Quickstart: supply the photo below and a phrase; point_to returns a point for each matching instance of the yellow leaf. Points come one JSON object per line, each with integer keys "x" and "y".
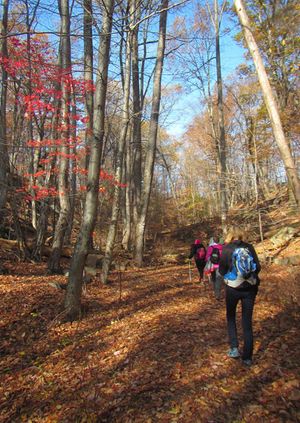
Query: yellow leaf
{"x": 175, "y": 410}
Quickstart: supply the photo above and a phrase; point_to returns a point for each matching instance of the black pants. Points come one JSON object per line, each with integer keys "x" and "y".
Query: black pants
{"x": 217, "y": 281}
{"x": 247, "y": 298}
{"x": 200, "y": 266}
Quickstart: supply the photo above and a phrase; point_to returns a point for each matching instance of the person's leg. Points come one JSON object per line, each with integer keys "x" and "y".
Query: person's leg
{"x": 201, "y": 269}
{"x": 212, "y": 279}
{"x": 247, "y": 312}
{"x": 232, "y": 298}
{"x": 218, "y": 285}
{"x": 198, "y": 264}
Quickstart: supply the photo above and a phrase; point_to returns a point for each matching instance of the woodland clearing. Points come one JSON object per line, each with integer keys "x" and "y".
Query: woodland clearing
{"x": 150, "y": 347}
{"x": 124, "y": 136}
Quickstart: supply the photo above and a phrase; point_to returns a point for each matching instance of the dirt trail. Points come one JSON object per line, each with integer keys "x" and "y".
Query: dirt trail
{"x": 150, "y": 348}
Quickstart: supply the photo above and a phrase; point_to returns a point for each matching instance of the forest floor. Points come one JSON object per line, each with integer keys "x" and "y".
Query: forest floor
{"x": 151, "y": 347}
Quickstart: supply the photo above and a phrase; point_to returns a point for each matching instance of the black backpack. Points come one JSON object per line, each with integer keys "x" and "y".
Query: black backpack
{"x": 215, "y": 256}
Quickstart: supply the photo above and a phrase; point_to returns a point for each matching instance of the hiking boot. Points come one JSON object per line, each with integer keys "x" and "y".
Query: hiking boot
{"x": 247, "y": 362}
{"x": 233, "y": 353}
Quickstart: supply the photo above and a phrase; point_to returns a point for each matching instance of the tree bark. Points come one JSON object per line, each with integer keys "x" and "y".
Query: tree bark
{"x": 119, "y": 164}
{"x": 221, "y": 124}
{"x": 152, "y": 137}
{"x": 73, "y": 177}
{"x": 128, "y": 195}
{"x": 137, "y": 115}
{"x": 270, "y": 102}
{"x": 88, "y": 72}
{"x": 4, "y": 163}
{"x": 74, "y": 289}
{"x": 44, "y": 211}
{"x": 63, "y": 151}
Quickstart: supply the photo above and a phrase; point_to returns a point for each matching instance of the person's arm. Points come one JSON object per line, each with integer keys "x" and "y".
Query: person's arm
{"x": 208, "y": 253}
{"x": 192, "y": 252}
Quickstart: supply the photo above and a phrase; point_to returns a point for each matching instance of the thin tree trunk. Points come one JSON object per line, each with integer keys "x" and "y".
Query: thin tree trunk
{"x": 88, "y": 72}
{"x": 173, "y": 190}
{"x": 35, "y": 152}
{"x": 137, "y": 115}
{"x": 74, "y": 289}
{"x": 221, "y": 124}
{"x": 119, "y": 165}
{"x": 42, "y": 222}
{"x": 270, "y": 102}
{"x": 152, "y": 137}
{"x": 4, "y": 163}
{"x": 88, "y": 64}
{"x": 127, "y": 220}
{"x": 73, "y": 178}
{"x": 215, "y": 132}
{"x": 64, "y": 201}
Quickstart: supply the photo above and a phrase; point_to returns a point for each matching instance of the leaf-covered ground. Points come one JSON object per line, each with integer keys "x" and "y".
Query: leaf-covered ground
{"x": 151, "y": 347}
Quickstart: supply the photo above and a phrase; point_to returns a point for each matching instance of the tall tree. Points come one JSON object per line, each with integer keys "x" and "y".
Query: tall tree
{"x": 73, "y": 294}
{"x": 152, "y": 136}
{"x": 270, "y": 101}
{"x": 63, "y": 186}
{"x": 88, "y": 69}
{"x": 137, "y": 112}
{"x": 221, "y": 123}
{"x": 35, "y": 152}
{"x": 119, "y": 158}
{"x": 4, "y": 163}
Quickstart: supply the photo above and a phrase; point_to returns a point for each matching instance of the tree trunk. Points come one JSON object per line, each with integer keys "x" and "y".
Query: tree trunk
{"x": 4, "y": 163}
{"x": 64, "y": 201}
{"x": 73, "y": 178}
{"x": 137, "y": 115}
{"x": 74, "y": 289}
{"x": 221, "y": 124}
{"x": 270, "y": 102}
{"x": 88, "y": 72}
{"x": 35, "y": 152}
{"x": 42, "y": 223}
{"x": 127, "y": 213}
{"x": 152, "y": 137}
{"x": 119, "y": 165}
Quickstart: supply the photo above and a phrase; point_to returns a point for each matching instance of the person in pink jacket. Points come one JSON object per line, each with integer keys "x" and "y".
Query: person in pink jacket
{"x": 213, "y": 255}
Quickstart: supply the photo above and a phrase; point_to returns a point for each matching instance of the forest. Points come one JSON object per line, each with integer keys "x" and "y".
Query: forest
{"x": 128, "y": 129}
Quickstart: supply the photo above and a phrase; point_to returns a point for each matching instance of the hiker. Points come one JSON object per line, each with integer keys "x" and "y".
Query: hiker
{"x": 212, "y": 258}
{"x": 198, "y": 251}
{"x": 239, "y": 266}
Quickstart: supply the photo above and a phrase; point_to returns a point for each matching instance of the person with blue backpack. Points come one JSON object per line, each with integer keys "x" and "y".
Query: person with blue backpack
{"x": 198, "y": 251}
{"x": 239, "y": 266}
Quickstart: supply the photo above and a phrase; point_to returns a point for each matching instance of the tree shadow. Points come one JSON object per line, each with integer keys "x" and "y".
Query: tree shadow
{"x": 162, "y": 360}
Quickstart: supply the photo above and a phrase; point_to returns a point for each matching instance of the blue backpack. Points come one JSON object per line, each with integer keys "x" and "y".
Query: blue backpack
{"x": 243, "y": 262}
{"x": 243, "y": 268}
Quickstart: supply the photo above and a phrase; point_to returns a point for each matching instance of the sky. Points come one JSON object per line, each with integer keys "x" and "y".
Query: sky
{"x": 188, "y": 104}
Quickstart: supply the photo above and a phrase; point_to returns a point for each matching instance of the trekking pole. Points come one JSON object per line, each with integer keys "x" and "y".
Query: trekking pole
{"x": 190, "y": 272}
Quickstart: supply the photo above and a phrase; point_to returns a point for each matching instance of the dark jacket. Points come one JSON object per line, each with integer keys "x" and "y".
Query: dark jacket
{"x": 226, "y": 258}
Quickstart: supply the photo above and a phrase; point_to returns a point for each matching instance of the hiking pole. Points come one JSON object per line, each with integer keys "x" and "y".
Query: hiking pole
{"x": 190, "y": 272}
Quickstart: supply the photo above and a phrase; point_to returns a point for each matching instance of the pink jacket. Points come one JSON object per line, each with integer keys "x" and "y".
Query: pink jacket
{"x": 209, "y": 251}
